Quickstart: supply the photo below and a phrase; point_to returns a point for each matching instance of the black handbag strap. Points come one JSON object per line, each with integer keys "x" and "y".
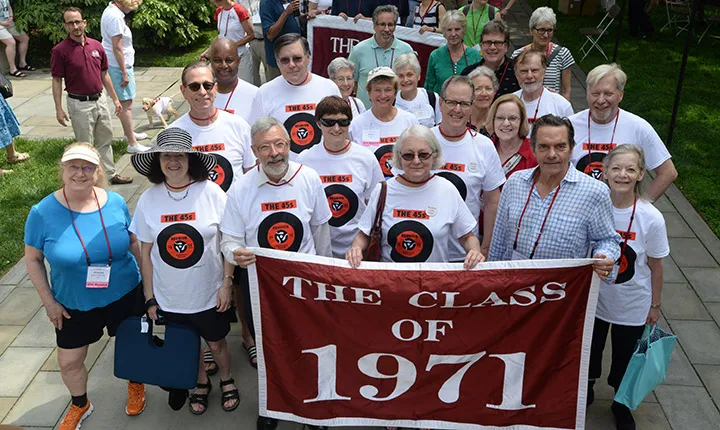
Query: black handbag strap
{"x": 377, "y": 225}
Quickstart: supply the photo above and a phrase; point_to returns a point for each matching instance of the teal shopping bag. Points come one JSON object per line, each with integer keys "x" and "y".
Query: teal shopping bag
{"x": 648, "y": 366}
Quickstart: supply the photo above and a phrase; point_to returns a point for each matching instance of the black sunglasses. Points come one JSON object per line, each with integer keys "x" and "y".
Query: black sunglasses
{"x": 325, "y": 122}
{"x": 195, "y": 86}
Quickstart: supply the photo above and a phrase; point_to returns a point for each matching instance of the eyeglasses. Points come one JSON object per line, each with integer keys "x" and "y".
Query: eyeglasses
{"x": 502, "y": 119}
{"x": 452, "y": 104}
{"x": 72, "y": 23}
{"x": 87, "y": 169}
{"x": 279, "y": 146}
{"x": 489, "y": 43}
{"x": 344, "y": 80}
{"x": 327, "y": 122}
{"x": 422, "y": 156}
{"x": 544, "y": 30}
{"x": 195, "y": 86}
{"x": 286, "y": 60}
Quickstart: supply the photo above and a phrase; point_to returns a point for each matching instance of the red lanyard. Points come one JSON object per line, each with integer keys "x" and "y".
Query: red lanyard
{"x": 537, "y": 108}
{"x": 627, "y": 233}
{"x": 282, "y": 183}
{"x": 422, "y": 17}
{"x": 476, "y": 23}
{"x": 612, "y": 137}
{"x": 77, "y": 231}
{"x": 454, "y": 64}
{"x": 231, "y": 94}
{"x": 507, "y": 64}
{"x": 542, "y": 226}
{"x": 227, "y": 20}
{"x": 392, "y": 57}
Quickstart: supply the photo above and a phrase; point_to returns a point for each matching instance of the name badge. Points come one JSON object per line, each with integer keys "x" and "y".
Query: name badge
{"x": 98, "y": 277}
{"x": 518, "y": 256}
{"x": 370, "y": 137}
{"x": 424, "y": 114}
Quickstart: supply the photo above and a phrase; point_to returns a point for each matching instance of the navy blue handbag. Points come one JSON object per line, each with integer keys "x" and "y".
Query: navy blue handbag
{"x": 172, "y": 363}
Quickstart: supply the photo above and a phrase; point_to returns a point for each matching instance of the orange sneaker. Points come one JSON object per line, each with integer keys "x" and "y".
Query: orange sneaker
{"x": 136, "y": 399}
{"x": 75, "y": 416}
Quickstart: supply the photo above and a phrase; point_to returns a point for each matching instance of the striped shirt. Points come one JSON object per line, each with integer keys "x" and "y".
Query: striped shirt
{"x": 430, "y": 18}
{"x": 581, "y": 219}
{"x": 563, "y": 60}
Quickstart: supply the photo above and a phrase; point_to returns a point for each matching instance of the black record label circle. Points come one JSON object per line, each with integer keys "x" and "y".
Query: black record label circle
{"x": 180, "y": 245}
{"x": 457, "y": 181}
{"x": 303, "y": 131}
{"x": 343, "y": 204}
{"x": 222, "y": 173}
{"x": 592, "y": 164}
{"x": 410, "y": 241}
{"x": 627, "y": 265}
{"x": 282, "y": 231}
{"x": 384, "y": 155}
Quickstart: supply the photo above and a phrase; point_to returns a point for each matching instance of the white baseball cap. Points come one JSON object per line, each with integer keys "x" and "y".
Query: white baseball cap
{"x": 81, "y": 152}
{"x": 381, "y": 71}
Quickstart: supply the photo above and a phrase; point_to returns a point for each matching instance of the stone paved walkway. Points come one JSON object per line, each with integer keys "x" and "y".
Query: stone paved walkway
{"x": 32, "y": 393}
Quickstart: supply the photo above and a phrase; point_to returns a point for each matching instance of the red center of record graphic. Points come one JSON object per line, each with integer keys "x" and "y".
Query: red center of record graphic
{"x": 217, "y": 174}
{"x": 595, "y": 169}
{"x": 302, "y": 133}
{"x": 281, "y": 236}
{"x": 385, "y": 164}
{"x": 623, "y": 264}
{"x": 339, "y": 205}
{"x": 180, "y": 246}
{"x": 409, "y": 244}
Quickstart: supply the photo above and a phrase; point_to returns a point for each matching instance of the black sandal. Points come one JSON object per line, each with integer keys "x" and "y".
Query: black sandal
{"x": 27, "y": 67}
{"x": 18, "y": 74}
{"x": 229, "y": 395}
{"x": 208, "y": 359}
{"x": 200, "y": 399}
{"x": 252, "y": 354}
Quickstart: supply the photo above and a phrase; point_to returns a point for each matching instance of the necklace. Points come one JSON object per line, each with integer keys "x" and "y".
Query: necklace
{"x": 231, "y": 95}
{"x": 187, "y": 190}
{"x": 307, "y": 76}
{"x": 339, "y": 151}
{"x": 205, "y": 119}
{"x": 425, "y": 181}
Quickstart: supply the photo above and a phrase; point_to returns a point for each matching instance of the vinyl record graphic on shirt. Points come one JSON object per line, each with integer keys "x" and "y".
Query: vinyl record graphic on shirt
{"x": 455, "y": 179}
{"x": 410, "y": 241}
{"x": 180, "y": 245}
{"x": 627, "y": 265}
{"x": 594, "y": 167}
{"x": 384, "y": 155}
{"x": 282, "y": 231}
{"x": 343, "y": 204}
{"x": 303, "y": 132}
{"x": 222, "y": 173}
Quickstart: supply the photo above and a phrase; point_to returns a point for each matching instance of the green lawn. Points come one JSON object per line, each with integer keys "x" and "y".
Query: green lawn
{"x": 29, "y": 183}
{"x": 653, "y": 67}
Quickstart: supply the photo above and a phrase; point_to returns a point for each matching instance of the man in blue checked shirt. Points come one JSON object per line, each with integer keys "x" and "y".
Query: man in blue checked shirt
{"x": 553, "y": 210}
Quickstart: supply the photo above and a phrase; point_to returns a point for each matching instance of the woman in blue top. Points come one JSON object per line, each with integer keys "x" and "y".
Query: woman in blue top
{"x": 82, "y": 231}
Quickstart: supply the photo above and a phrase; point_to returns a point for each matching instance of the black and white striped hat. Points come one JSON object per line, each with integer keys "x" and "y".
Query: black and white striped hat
{"x": 171, "y": 139}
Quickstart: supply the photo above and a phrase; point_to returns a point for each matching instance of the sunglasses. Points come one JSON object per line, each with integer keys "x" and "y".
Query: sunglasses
{"x": 326, "y": 122}
{"x": 286, "y": 60}
{"x": 410, "y": 156}
{"x": 195, "y": 86}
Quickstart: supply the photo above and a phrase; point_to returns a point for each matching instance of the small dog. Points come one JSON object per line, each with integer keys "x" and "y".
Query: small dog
{"x": 159, "y": 108}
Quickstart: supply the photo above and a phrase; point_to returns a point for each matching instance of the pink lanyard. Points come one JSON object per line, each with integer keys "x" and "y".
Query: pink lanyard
{"x": 77, "y": 231}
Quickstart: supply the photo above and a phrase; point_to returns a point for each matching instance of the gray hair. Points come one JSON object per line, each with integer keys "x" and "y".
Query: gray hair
{"x": 407, "y": 60}
{"x": 196, "y": 65}
{"x": 264, "y": 124}
{"x": 421, "y": 132}
{"x": 542, "y": 15}
{"x": 453, "y": 16}
{"x": 458, "y": 79}
{"x": 388, "y": 8}
{"x": 629, "y": 149}
{"x": 603, "y": 70}
{"x": 338, "y": 64}
{"x": 486, "y": 72}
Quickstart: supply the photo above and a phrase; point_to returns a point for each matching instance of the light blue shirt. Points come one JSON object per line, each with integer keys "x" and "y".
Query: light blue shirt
{"x": 581, "y": 219}
{"x": 368, "y": 55}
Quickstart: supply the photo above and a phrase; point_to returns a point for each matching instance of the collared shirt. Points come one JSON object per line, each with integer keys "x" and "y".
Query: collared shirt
{"x": 368, "y": 55}
{"x": 581, "y": 219}
{"x": 527, "y": 158}
{"x": 505, "y": 74}
{"x": 80, "y": 65}
{"x": 270, "y": 11}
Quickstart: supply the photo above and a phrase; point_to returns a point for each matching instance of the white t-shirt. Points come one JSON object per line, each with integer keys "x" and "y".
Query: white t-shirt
{"x": 632, "y": 129}
{"x": 548, "y": 102}
{"x": 185, "y": 234}
{"x": 356, "y": 106}
{"x": 349, "y": 179}
{"x": 277, "y": 216}
{"x": 419, "y": 221}
{"x": 238, "y": 101}
{"x": 426, "y": 115}
{"x": 294, "y": 106}
{"x": 627, "y": 301}
{"x": 229, "y": 24}
{"x": 228, "y": 139}
{"x": 112, "y": 24}
{"x": 472, "y": 165}
{"x": 379, "y": 136}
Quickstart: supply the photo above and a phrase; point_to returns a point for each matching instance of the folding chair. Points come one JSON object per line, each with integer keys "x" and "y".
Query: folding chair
{"x": 594, "y": 34}
{"x": 711, "y": 20}
{"x": 678, "y": 13}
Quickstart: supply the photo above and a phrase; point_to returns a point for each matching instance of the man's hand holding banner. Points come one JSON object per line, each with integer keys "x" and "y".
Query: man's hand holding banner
{"x": 423, "y": 345}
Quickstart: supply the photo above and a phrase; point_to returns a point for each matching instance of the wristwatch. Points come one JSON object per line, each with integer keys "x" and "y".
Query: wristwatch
{"x": 655, "y": 305}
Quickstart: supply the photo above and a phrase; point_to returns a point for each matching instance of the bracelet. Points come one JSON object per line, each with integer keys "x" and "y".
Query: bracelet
{"x": 655, "y": 305}
{"x": 151, "y": 302}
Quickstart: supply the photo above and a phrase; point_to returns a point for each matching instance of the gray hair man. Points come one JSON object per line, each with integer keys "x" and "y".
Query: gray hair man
{"x": 530, "y": 69}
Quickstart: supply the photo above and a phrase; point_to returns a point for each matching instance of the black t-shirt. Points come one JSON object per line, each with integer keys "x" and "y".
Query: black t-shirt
{"x": 505, "y": 75}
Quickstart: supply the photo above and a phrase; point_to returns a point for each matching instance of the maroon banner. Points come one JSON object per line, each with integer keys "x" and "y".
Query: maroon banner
{"x": 332, "y": 36}
{"x": 423, "y": 345}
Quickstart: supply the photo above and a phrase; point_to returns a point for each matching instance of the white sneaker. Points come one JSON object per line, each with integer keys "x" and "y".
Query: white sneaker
{"x": 138, "y": 136}
{"x": 133, "y": 149}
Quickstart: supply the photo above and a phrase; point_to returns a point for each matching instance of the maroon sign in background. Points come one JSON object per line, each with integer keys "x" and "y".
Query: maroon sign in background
{"x": 502, "y": 313}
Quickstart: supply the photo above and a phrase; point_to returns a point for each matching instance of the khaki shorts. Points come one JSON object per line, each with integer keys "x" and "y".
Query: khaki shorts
{"x": 9, "y": 31}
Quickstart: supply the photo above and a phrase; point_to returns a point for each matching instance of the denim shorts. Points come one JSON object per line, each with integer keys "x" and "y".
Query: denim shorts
{"x": 127, "y": 92}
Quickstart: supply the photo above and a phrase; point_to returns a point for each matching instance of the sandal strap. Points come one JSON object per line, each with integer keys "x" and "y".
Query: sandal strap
{"x": 208, "y": 357}
{"x": 230, "y": 395}
{"x": 203, "y": 386}
{"x": 228, "y": 382}
{"x": 252, "y": 352}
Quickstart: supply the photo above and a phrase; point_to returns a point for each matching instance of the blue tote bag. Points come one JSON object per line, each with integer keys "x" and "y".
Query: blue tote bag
{"x": 648, "y": 366}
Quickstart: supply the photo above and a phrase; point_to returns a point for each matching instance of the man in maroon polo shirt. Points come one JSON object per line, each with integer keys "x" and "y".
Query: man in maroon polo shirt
{"x": 82, "y": 62}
